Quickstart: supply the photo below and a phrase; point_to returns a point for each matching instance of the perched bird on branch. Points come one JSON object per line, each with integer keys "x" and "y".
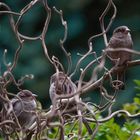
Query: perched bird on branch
{"x": 24, "y": 106}
{"x": 61, "y": 84}
{"x": 121, "y": 39}
{"x": 19, "y": 113}
{"x": 21, "y": 108}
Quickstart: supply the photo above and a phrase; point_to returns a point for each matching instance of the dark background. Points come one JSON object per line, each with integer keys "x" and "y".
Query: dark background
{"x": 82, "y": 17}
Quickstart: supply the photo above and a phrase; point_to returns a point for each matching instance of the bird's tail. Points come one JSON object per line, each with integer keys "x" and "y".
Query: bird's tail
{"x": 121, "y": 79}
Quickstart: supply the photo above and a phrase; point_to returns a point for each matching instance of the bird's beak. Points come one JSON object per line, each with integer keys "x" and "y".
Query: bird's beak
{"x": 34, "y": 95}
{"x": 127, "y": 30}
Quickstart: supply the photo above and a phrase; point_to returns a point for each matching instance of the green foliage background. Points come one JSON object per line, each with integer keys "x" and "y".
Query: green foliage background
{"x": 82, "y": 17}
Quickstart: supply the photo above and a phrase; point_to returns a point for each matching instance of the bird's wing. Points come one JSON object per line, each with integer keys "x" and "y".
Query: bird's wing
{"x": 17, "y": 106}
{"x": 114, "y": 42}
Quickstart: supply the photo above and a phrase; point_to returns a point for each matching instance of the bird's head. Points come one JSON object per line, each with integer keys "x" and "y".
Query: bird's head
{"x": 26, "y": 95}
{"x": 122, "y": 30}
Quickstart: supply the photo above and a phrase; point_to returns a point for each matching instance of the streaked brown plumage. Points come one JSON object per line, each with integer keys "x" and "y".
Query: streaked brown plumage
{"x": 24, "y": 105}
{"x": 61, "y": 84}
{"x": 121, "y": 38}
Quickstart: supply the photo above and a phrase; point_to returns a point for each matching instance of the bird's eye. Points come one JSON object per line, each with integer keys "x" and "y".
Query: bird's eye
{"x": 22, "y": 94}
{"x": 121, "y": 30}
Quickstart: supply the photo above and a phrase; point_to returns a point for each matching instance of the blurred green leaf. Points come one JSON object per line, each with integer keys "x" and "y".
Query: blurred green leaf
{"x": 137, "y": 82}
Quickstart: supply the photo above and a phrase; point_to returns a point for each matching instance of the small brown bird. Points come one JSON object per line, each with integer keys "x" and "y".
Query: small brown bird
{"x": 61, "y": 84}
{"x": 121, "y": 38}
{"x": 24, "y": 105}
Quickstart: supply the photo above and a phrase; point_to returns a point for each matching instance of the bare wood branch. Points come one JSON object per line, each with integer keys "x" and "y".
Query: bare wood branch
{"x": 101, "y": 19}
{"x": 114, "y": 114}
{"x": 62, "y": 41}
{"x": 42, "y": 38}
{"x": 113, "y": 70}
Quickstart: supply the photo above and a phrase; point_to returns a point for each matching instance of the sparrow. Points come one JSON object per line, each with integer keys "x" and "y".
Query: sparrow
{"x": 61, "y": 84}
{"x": 121, "y": 38}
{"x": 24, "y": 105}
